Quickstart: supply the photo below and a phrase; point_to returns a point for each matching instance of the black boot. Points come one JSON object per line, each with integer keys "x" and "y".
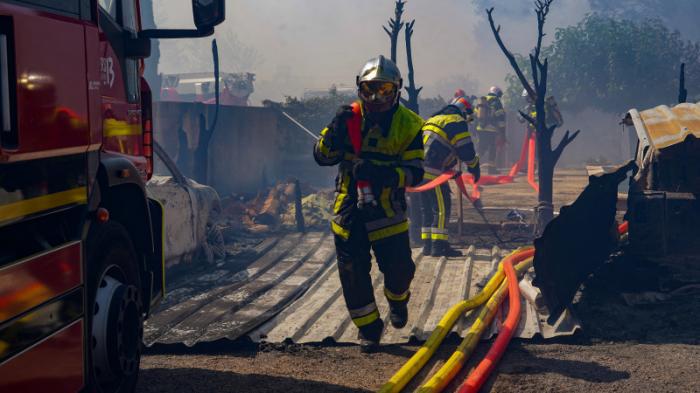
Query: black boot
{"x": 427, "y": 247}
{"x": 370, "y": 335}
{"x": 398, "y": 313}
{"x": 441, "y": 248}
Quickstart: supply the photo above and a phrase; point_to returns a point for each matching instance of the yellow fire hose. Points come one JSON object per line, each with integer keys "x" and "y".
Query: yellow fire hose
{"x": 454, "y": 364}
{"x": 402, "y": 377}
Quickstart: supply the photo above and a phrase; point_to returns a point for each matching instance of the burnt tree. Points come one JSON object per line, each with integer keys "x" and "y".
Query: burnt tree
{"x": 413, "y": 92}
{"x": 395, "y": 26}
{"x": 547, "y": 157}
{"x": 201, "y": 152}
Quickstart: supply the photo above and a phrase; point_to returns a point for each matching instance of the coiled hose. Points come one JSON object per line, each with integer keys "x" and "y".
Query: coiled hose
{"x": 479, "y": 375}
{"x": 409, "y": 370}
{"x": 454, "y": 364}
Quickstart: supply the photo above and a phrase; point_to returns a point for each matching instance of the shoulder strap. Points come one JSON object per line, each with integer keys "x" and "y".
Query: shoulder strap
{"x": 355, "y": 127}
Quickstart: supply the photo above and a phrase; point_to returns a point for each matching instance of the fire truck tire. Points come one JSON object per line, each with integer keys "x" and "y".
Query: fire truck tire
{"x": 114, "y": 310}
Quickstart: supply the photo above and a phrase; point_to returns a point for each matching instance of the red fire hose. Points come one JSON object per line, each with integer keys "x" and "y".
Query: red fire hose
{"x": 438, "y": 181}
{"x": 479, "y": 375}
{"x": 527, "y": 156}
{"x": 531, "y": 164}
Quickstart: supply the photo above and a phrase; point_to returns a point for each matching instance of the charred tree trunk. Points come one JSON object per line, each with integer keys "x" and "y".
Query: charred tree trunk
{"x": 546, "y": 158}
{"x": 395, "y": 26}
{"x": 201, "y": 153}
{"x": 413, "y": 92}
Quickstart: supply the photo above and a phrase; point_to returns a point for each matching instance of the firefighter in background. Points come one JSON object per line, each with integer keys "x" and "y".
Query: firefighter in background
{"x": 529, "y": 109}
{"x": 391, "y": 159}
{"x": 553, "y": 116}
{"x": 491, "y": 126}
{"x": 446, "y": 140}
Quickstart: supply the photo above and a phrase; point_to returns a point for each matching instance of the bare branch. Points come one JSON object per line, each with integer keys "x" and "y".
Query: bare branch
{"x": 565, "y": 141}
{"x": 528, "y": 118}
{"x": 542, "y": 10}
{"x": 411, "y": 88}
{"x": 395, "y": 26}
{"x": 509, "y": 56}
{"x": 535, "y": 74}
{"x": 409, "y": 28}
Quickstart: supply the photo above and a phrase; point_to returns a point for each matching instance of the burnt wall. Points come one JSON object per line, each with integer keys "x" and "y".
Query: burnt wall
{"x": 250, "y": 148}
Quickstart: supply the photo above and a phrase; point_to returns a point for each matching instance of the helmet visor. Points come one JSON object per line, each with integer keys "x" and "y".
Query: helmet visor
{"x": 377, "y": 91}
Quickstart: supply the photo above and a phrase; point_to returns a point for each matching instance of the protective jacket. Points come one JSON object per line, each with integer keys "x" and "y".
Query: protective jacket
{"x": 394, "y": 141}
{"x": 494, "y": 118}
{"x": 446, "y": 138}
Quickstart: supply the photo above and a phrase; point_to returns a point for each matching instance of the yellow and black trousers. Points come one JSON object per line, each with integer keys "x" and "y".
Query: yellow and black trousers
{"x": 393, "y": 255}
{"x": 436, "y": 206}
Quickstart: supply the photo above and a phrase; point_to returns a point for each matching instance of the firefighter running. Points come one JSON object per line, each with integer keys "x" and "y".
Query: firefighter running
{"x": 447, "y": 139}
{"x": 390, "y": 159}
{"x": 491, "y": 127}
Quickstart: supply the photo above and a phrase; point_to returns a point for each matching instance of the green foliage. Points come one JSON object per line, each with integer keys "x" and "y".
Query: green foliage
{"x": 614, "y": 65}
{"x": 315, "y": 113}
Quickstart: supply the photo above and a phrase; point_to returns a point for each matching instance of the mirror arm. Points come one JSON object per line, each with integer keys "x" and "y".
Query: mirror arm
{"x": 176, "y": 33}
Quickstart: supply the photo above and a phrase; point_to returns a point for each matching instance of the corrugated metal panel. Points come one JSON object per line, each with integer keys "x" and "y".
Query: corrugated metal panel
{"x": 222, "y": 304}
{"x": 320, "y": 315}
{"x": 666, "y": 126}
{"x": 291, "y": 292}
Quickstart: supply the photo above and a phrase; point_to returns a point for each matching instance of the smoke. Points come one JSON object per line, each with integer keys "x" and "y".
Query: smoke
{"x": 294, "y": 45}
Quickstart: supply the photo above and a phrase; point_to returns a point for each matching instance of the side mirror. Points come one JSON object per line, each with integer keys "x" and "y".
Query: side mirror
{"x": 208, "y": 13}
{"x": 137, "y": 47}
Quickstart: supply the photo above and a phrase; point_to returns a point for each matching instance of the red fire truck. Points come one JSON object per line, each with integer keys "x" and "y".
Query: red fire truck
{"x": 81, "y": 252}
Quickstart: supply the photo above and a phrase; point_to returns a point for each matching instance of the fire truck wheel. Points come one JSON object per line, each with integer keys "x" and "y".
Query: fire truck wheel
{"x": 115, "y": 310}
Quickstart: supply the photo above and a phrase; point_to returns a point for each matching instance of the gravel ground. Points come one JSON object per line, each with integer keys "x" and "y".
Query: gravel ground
{"x": 603, "y": 367}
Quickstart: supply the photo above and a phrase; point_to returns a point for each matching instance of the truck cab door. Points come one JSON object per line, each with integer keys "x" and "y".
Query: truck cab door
{"x": 120, "y": 87}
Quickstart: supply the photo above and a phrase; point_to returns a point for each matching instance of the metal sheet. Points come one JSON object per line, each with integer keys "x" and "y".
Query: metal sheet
{"x": 292, "y": 293}
{"x": 667, "y": 126}
{"x": 320, "y": 316}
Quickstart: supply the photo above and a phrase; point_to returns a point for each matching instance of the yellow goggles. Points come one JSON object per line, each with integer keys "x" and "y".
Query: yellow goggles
{"x": 383, "y": 89}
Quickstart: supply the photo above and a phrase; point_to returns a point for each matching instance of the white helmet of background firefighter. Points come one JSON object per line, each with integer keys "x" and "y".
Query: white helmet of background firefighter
{"x": 379, "y": 84}
{"x": 526, "y": 96}
{"x": 495, "y": 90}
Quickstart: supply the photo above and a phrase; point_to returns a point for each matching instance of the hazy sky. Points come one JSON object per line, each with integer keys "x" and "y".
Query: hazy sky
{"x": 303, "y": 44}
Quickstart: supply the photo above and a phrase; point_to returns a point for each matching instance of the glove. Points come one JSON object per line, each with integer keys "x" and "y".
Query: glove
{"x": 338, "y": 128}
{"x": 475, "y": 171}
{"x": 378, "y": 175}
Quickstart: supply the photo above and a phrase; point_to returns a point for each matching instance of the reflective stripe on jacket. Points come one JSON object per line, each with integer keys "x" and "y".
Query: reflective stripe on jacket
{"x": 400, "y": 148}
{"x": 446, "y": 138}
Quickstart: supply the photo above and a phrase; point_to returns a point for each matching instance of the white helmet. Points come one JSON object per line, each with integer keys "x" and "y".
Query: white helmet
{"x": 495, "y": 90}
{"x": 525, "y": 94}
